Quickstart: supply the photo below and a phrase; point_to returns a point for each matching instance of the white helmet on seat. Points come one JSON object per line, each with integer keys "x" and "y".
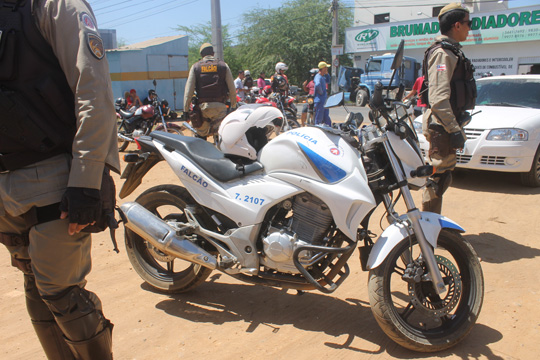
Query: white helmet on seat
{"x": 281, "y": 66}
{"x": 243, "y": 132}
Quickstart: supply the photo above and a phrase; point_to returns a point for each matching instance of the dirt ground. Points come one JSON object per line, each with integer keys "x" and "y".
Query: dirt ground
{"x": 226, "y": 319}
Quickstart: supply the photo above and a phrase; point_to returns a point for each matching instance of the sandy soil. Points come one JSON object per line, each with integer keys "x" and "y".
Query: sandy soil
{"x": 226, "y": 319}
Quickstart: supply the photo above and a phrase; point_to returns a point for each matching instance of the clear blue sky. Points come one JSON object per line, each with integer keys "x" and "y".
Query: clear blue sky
{"x": 139, "y": 20}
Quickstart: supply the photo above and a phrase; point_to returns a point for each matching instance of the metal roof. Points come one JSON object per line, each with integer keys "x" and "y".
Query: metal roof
{"x": 148, "y": 43}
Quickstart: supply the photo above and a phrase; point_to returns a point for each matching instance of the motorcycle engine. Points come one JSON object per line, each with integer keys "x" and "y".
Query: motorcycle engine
{"x": 309, "y": 223}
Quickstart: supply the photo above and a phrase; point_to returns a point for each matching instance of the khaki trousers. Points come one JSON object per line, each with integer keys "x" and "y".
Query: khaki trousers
{"x": 58, "y": 260}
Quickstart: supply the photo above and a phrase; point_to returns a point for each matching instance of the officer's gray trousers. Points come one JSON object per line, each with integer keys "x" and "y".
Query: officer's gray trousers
{"x": 55, "y": 264}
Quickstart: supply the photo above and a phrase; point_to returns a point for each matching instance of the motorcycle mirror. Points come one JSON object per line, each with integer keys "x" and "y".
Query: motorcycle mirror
{"x": 335, "y": 100}
{"x": 154, "y": 82}
{"x": 398, "y": 58}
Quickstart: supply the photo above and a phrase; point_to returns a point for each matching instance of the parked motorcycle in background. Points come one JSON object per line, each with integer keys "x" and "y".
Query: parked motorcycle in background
{"x": 289, "y": 213}
{"x": 310, "y": 118}
{"x": 143, "y": 121}
{"x": 282, "y": 103}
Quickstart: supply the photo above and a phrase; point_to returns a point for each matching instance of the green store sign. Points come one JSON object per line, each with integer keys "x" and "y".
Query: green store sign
{"x": 492, "y": 23}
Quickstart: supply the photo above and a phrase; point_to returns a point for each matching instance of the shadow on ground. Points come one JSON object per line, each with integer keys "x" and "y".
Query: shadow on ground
{"x": 496, "y": 249}
{"x": 257, "y": 306}
{"x": 491, "y": 181}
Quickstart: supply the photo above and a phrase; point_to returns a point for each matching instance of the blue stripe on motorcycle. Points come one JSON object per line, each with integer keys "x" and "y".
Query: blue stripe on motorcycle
{"x": 450, "y": 225}
{"x": 326, "y": 169}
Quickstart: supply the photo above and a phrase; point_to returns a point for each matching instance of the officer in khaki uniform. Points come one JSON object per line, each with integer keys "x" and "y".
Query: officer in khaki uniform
{"x": 58, "y": 140}
{"x": 213, "y": 81}
{"x": 451, "y": 91}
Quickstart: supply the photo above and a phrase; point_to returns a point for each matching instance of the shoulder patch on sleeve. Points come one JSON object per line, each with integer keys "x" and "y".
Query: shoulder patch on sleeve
{"x": 441, "y": 67}
{"x": 88, "y": 22}
{"x": 95, "y": 44}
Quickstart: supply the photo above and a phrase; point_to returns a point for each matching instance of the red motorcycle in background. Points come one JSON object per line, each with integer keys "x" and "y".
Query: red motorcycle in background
{"x": 143, "y": 121}
{"x": 281, "y": 102}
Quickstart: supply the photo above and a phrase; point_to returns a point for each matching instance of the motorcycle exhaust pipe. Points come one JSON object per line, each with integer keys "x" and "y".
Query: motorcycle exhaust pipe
{"x": 161, "y": 235}
{"x": 124, "y": 137}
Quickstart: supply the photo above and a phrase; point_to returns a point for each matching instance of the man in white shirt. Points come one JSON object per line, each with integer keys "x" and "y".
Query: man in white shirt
{"x": 239, "y": 85}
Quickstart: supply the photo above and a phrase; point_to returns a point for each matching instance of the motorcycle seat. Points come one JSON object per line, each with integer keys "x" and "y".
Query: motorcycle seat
{"x": 207, "y": 156}
{"x": 126, "y": 114}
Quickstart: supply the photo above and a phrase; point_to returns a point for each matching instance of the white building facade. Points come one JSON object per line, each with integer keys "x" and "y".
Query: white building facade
{"x": 502, "y": 40}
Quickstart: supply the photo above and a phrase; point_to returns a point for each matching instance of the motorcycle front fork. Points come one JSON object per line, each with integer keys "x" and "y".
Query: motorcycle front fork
{"x": 414, "y": 216}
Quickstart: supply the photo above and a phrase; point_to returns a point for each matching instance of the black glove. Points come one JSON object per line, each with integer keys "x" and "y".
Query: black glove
{"x": 464, "y": 119}
{"x": 457, "y": 140}
{"x": 83, "y": 205}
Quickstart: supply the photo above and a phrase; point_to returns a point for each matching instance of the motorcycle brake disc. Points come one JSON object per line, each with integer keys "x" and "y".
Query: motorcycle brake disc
{"x": 424, "y": 298}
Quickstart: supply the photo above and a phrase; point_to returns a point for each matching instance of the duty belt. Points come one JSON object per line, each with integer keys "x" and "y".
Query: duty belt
{"x": 219, "y": 99}
{"x": 15, "y": 161}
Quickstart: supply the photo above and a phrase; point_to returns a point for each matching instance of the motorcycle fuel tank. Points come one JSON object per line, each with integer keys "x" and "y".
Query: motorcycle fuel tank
{"x": 313, "y": 153}
{"x": 325, "y": 165}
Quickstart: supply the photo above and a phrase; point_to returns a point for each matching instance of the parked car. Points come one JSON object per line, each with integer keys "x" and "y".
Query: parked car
{"x": 504, "y": 134}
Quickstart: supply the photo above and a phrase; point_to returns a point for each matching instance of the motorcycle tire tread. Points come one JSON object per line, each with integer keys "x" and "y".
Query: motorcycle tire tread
{"x": 194, "y": 275}
{"x": 396, "y": 331}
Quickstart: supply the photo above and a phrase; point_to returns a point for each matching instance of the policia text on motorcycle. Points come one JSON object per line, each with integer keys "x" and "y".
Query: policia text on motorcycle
{"x": 57, "y": 144}
{"x": 449, "y": 90}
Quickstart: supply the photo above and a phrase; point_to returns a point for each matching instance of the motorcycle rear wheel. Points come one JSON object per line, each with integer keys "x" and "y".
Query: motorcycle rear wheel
{"x": 122, "y": 144}
{"x": 172, "y": 129}
{"x": 165, "y": 273}
{"x": 410, "y": 313}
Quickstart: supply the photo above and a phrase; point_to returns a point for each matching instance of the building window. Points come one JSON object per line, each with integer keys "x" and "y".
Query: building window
{"x": 382, "y": 18}
{"x": 437, "y": 10}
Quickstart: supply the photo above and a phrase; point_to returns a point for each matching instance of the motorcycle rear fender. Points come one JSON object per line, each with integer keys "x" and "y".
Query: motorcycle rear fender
{"x": 432, "y": 224}
{"x": 134, "y": 172}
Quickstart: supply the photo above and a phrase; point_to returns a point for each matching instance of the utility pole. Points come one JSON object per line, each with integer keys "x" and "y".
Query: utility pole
{"x": 335, "y": 61}
{"x": 217, "y": 39}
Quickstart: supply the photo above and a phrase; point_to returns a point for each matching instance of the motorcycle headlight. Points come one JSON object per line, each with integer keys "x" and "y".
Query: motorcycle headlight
{"x": 417, "y": 126}
{"x": 508, "y": 135}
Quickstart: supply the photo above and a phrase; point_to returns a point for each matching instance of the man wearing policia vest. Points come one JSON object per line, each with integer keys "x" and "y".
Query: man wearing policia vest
{"x": 451, "y": 91}
{"x": 212, "y": 80}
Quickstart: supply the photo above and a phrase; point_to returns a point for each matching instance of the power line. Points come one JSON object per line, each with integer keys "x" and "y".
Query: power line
{"x": 146, "y": 15}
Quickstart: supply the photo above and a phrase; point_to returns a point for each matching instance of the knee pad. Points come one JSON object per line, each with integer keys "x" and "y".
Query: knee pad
{"x": 78, "y": 313}
{"x": 439, "y": 183}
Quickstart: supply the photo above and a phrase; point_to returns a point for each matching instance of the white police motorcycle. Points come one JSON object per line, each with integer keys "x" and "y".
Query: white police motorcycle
{"x": 289, "y": 214}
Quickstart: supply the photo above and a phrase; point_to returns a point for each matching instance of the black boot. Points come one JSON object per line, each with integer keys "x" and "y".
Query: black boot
{"x": 52, "y": 340}
{"x": 97, "y": 348}
{"x": 47, "y": 330}
{"x": 78, "y": 314}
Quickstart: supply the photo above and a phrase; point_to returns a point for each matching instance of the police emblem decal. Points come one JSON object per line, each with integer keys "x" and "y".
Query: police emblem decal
{"x": 95, "y": 44}
{"x": 88, "y": 22}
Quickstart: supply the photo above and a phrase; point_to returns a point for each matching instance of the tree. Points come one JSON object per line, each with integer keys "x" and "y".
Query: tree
{"x": 298, "y": 33}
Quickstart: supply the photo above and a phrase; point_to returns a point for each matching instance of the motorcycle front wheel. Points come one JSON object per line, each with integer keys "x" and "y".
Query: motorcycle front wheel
{"x": 165, "y": 273}
{"x": 408, "y": 309}
{"x": 291, "y": 121}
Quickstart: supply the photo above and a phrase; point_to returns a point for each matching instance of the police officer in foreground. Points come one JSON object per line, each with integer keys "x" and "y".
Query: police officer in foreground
{"x": 212, "y": 80}
{"x": 451, "y": 91}
{"x": 57, "y": 144}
